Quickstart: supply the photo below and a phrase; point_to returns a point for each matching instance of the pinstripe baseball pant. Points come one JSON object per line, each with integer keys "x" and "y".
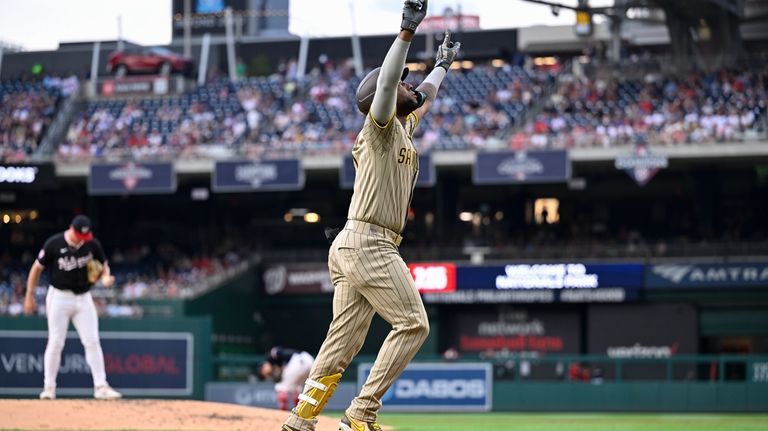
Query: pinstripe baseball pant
{"x": 369, "y": 277}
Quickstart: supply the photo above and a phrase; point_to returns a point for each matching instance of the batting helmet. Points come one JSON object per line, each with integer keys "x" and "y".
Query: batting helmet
{"x": 367, "y": 89}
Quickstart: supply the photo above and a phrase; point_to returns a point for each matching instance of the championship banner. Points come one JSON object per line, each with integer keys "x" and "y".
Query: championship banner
{"x": 426, "y": 178}
{"x": 545, "y": 283}
{"x": 297, "y": 279}
{"x": 257, "y": 176}
{"x": 23, "y": 176}
{"x": 132, "y": 178}
{"x": 137, "y": 363}
{"x": 641, "y": 165}
{"x": 438, "y": 387}
{"x": 708, "y": 275}
{"x": 642, "y": 332}
{"x": 522, "y": 167}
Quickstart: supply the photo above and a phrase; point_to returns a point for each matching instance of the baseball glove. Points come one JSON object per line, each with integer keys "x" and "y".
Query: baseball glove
{"x": 95, "y": 268}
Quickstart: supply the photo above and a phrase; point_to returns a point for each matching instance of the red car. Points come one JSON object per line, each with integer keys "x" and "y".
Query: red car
{"x": 149, "y": 60}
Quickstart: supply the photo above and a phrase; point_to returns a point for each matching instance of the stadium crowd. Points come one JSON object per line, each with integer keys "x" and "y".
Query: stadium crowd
{"x": 26, "y": 111}
{"x": 491, "y": 106}
{"x": 165, "y": 272}
{"x": 722, "y": 106}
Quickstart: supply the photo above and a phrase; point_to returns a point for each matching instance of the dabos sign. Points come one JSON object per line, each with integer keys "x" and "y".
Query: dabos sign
{"x": 428, "y": 387}
{"x": 434, "y": 277}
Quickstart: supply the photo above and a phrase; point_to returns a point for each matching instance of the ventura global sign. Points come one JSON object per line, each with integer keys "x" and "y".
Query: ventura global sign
{"x": 708, "y": 275}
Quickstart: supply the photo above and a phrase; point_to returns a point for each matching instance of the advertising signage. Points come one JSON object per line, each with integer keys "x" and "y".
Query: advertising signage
{"x": 641, "y": 332}
{"x": 131, "y": 178}
{"x": 544, "y": 283}
{"x": 703, "y": 275}
{"x": 428, "y": 387}
{"x": 520, "y": 167}
{"x": 139, "y": 363}
{"x": 14, "y": 176}
{"x": 434, "y": 277}
{"x": 257, "y": 175}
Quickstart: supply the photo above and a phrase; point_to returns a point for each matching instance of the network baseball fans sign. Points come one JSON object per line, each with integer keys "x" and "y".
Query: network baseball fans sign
{"x": 438, "y": 387}
{"x": 138, "y": 363}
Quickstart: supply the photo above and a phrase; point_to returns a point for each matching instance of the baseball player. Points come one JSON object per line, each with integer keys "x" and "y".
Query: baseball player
{"x": 75, "y": 261}
{"x": 368, "y": 274}
{"x": 290, "y": 368}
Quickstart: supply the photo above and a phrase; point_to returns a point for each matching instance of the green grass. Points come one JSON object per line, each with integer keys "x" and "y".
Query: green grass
{"x": 574, "y": 422}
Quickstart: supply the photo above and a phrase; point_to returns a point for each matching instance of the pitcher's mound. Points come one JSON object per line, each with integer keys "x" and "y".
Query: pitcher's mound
{"x": 156, "y": 415}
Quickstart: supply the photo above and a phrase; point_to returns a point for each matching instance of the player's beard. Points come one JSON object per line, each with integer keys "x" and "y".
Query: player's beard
{"x": 405, "y": 107}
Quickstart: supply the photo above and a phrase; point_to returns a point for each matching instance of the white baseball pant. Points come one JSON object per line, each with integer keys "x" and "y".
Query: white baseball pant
{"x": 295, "y": 372}
{"x": 60, "y": 307}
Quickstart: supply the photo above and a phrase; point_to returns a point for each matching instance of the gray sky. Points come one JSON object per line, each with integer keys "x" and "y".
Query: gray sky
{"x": 42, "y": 24}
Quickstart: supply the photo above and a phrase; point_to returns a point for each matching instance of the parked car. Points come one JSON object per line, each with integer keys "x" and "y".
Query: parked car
{"x": 149, "y": 60}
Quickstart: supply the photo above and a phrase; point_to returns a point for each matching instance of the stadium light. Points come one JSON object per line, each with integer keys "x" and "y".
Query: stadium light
{"x": 33, "y": 215}
{"x": 465, "y": 216}
{"x": 311, "y": 217}
{"x": 6, "y": 219}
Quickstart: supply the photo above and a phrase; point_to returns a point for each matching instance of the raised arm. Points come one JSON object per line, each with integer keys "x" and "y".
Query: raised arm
{"x": 446, "y": 54}
{"x": 385, "y": 100}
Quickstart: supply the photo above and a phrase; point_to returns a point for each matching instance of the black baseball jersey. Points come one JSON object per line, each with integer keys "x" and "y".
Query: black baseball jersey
{"x": 280, "y": 355}
{"x": 66, "y": 265}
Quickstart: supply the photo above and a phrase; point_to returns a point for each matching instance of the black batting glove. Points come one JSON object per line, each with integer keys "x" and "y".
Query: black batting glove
{"x": 414, "y": 11}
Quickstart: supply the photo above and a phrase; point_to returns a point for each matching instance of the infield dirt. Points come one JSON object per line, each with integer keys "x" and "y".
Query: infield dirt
{"x": 179, "y": 415}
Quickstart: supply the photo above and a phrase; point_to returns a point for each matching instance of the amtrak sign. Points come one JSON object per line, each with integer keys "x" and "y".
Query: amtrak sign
{"x": 748, "y": 274}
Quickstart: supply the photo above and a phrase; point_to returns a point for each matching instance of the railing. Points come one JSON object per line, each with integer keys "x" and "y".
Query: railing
{"x": 593, "y": 369}
{"x": 709, "y": 252}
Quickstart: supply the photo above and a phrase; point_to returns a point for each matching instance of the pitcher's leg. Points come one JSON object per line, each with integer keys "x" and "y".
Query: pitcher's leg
{"x": 86, "y": 322}
{"x": 58, "y": 309}
{"x": 399, "y": 304}
{"x": 352, "y": 316}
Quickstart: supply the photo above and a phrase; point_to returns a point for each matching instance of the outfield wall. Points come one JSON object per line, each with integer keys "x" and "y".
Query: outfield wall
{"x": 631, "y": 397}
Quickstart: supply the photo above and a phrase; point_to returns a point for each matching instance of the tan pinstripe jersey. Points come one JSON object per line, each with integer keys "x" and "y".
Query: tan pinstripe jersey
{"x": 386, "y": 165}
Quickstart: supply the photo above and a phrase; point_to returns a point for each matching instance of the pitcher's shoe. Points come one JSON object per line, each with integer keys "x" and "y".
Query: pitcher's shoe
{"x": 106, "y": 393}
{"x": 49, "y": 393}
{"x": 349, "y": 424}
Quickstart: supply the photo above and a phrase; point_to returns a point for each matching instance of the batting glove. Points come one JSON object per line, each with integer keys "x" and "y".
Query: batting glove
{"x": 447, "y": 52}
{"x": 413, "y": 12}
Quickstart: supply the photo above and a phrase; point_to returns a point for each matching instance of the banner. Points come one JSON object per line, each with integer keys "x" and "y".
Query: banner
{"x": 132, "y": 178}
{"x": 145, "y": 85}
{"x": 264, "y": 395}
{"x": 257, "y": 176}
{"x": 545, "y": 283}
{"x": 704, "y": 275}
{"x": 426, "y": 178}
{"x": 507, "y": 167}
{"x": 434, "y": 277}
{"x": 137, "y": 363}
{"x": 297, "y": 279}
{"x": 641, "y": 165}
{"x": 429, "y": 387}
{"x": 526, "y": 332}
{"x": 14, "y": 176}
{"x": 653, "y": 331}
